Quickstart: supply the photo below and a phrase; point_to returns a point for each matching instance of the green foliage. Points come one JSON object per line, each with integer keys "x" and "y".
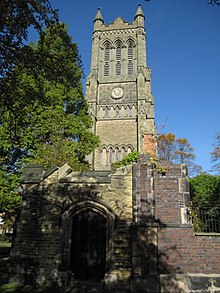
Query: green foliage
{"x": 205, "y": 195}
{"x": 10, "y": 200}
{"x": 127, "y": 160}
{"x": 16, "y": 288}
{"x": 46, "y": 121}
{"x": 16, "y": 16}
{"x": 205, "y": 189}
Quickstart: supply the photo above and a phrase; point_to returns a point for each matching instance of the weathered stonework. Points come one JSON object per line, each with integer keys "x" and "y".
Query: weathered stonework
{"x": 150, "y": 243}
{"x": 118, "y": 89}
{"x": 41, "y": 250}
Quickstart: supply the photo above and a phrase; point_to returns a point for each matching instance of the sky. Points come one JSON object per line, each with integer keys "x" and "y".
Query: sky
{"x": 183, "y": 52}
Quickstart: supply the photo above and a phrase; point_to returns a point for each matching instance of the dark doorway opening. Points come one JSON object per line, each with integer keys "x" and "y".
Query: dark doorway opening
{"x": 88, "y": 248}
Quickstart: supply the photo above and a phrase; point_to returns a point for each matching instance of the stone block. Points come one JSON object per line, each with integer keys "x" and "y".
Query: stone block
{"x": 216, "y": 282}
{"x": 198, "y": 282}
{"x": 32, "y": 174}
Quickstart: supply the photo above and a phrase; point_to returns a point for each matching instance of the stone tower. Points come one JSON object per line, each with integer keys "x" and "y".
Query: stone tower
{"x": 118, "y": 90}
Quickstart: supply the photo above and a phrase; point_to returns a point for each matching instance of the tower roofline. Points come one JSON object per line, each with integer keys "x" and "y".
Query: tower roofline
{"x": 139, "y": 12}
{"x": 98, "y": 15}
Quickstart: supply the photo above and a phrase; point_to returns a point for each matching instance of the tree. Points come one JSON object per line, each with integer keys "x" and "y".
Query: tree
{"x": 177, "y": 150}
{"x": 16, "y": 16}
{"x": 205, "y": 202}
{"x": 215, "y": 154}
{"x": 46, "y": 120}
{"x": 166, "y": 146}
{"x": 205, "y": 189}
{"x": 214, "y": 2}
{"x": 10, "y": 199}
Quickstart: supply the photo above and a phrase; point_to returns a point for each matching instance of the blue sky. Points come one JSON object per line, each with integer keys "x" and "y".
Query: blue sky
{"x": 183, "y": 52}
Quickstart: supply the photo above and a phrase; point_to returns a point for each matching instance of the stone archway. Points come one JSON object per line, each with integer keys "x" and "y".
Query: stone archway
{"x": 88, "y": 240}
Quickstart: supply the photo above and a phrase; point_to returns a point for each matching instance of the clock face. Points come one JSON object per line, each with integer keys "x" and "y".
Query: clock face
{"x": 117, "y": 93}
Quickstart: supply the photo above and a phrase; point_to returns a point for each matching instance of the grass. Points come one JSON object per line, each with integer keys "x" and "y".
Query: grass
{"x": 15, "y": 288}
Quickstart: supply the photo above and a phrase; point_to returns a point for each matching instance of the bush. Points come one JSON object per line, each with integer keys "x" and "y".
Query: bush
{"x": 127, "y": 160}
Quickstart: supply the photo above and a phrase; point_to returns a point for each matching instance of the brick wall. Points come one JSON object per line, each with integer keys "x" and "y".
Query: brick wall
{"x": 169, "y": 256}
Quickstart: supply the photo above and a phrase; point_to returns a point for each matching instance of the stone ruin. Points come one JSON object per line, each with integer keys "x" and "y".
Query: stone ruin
{"x": 124, "y": 230}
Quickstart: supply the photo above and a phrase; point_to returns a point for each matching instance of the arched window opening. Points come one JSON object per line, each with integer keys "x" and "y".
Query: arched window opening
{"x": 130, "y": 50}
{"x": 110, "y": 156}
{"x": 107, "y": 52}
{"x": 130, "y": 67}
{"x": 106, "y": 59}
{"x": 103, "y": 157}
{"x": 118, "y": 51}
{"x": 129, "y": 150}
{"x": 122, "y": 152}
{"x": 117, "y": 154}
{"x": 118, "y": 68}
{"x": 106, "y": 69}
{"x": 118, "y": 59}
{"x": 130, "y": 57}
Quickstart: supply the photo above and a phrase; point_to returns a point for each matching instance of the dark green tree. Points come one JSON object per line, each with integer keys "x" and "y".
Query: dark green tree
{"x": 205, "y": 202}
{"x": 16, "y": 16}
{"x": 46, "y": 120}
{"x": 205, "y": 189}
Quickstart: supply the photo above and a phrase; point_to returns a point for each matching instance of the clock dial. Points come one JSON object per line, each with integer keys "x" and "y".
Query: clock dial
{"x": 117, "y": 93}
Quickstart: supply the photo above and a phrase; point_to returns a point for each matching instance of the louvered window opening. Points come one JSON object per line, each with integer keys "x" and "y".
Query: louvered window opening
{"x": 118, "y": 68}
{"x": 130, "y": 58}
{"x": 130, "y": 67}
{"x": 118, "y": 52}
{"x": 106, "y": 69}
{"x": 106, "y": 60}
{"x": 130, "y": 52}
{"x": 107, "y": 53}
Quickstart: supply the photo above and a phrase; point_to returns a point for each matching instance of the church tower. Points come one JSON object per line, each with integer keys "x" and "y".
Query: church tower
{"x": 118, "y": 90}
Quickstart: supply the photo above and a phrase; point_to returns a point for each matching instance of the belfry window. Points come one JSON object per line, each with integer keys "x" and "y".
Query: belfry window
{"x": 130, "y": 57}
{"x": 118, "y": 59}
{"x": 118, "y": 68}
{"x": 106, "y": 69}
{"x": 130, "y": 67}
{"x": 118, "y": 51}
{"x": 106, "y": 59}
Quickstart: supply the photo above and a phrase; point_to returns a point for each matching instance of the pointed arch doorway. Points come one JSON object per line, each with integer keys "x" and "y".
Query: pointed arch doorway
{"x": 89, "y": 249}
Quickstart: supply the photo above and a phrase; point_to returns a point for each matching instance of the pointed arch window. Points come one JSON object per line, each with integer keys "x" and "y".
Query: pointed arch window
{"x": 106, "y": 58}
{"x": 130, "y": 57}
{"x": 110, "y": 156}
{"x": 118, "y": 59}
{"x": 103, "y": 156}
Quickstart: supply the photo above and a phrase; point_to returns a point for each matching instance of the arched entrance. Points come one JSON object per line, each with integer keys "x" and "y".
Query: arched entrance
{"x": 88, "y": 246}
{"x": 88, "y": 237}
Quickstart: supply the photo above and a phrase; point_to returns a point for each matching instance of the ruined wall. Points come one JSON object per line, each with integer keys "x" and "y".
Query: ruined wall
{"x": 151, "y": 244}
{"x": 169, "y": 256}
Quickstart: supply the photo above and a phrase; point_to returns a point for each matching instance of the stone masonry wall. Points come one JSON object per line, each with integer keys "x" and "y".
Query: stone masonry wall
{"x": 152, "y": 245}
{"x": 40, "y": 253}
